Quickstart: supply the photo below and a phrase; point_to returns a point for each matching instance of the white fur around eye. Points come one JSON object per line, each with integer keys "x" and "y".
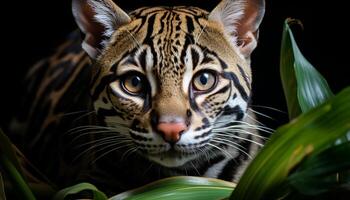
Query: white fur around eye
{"x": 116, "y": 88}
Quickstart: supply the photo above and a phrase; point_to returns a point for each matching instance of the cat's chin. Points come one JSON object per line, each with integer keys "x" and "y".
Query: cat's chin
{"x": 172, "y": 158}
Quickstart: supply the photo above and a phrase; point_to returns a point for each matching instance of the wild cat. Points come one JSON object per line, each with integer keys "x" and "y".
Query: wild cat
{"x": 158, "y": 91}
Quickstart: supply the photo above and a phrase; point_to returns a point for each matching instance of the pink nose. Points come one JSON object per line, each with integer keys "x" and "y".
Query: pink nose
{"x": 171, "y": 132}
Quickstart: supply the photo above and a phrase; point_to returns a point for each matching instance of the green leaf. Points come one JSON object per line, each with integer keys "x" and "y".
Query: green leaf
{"x": 303, "y": 85}
{"x": 290, "y": 144}
{"x": 76, "y": 189}
{"x": 288, "y": 78}
{"x": 319, "y": 173}
{"x": 6, "y": 149}
{"x": 181, "y": 187}
{"x": 12, "y": 168}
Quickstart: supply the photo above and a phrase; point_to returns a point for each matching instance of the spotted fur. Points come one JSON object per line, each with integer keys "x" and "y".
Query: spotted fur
{"x": 84, "y": 122}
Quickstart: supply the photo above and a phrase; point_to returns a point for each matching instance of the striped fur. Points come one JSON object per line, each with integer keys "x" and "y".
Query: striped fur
{"x": 82, "y": 120}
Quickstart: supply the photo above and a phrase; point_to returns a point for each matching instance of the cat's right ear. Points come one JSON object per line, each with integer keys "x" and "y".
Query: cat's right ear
{"x": 97, "y": 19}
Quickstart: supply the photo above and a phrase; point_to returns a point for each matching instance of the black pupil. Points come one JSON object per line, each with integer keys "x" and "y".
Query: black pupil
{"x": 135, "y": 81}
{"x": 204, "y": 78}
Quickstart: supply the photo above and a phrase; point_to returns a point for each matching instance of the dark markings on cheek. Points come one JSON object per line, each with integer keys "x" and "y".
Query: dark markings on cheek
{"x": 222, "y": 90}
{"x": 205, "y": 134}
{"x": 245, "y": 77}
{"x": 206, "y": 124}
{"x": 231, "y": 76}
{"x": 109, "y": 112}
{"x": 136, "y": 127}
{"x": 234, "y": 96}
{"x": 227, "y": 110}
{"x": 139, "y": 137}
{"x": 105, "y": 81}
{"x": 195, "y": 58}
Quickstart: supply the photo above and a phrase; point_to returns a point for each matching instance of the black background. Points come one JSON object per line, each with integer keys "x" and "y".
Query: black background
{"x": 32, "y": 29}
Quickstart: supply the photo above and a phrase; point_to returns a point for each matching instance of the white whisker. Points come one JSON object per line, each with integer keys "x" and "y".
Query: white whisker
{"x": 100, "y": 144}
{"x": 221, "y": 150}
{"x": 239, "y": 131}
{"x": 119, "y": 147}
{"x": 270, "y": 108}
{"x": 261, "y": 114}
{"x": 114, "y": 138}
{"x": 237, "y": 137}
{"x": 235, "y": 147}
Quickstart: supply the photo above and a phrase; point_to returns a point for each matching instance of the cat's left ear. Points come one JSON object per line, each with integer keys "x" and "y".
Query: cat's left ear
{"x": 241, "y": 20}
{"x": 98, "y": 20}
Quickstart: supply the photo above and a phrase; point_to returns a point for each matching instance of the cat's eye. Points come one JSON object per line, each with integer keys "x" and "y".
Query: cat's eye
{"x": 204, "y": 81}
{"x": 133, "y": 84}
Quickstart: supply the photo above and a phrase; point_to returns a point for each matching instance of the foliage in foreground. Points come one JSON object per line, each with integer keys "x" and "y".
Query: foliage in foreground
{"x": 300, "y": 161}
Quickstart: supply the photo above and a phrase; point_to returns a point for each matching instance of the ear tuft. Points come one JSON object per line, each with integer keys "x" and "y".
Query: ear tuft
{"x": 228, "y": 13}
{"x": 241, "y": 20}
{"x": 109, "y": 15}
{"x": 98, "y": 20}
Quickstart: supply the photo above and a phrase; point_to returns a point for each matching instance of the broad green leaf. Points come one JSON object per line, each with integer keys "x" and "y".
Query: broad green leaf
{"x": 303, "y": 85}
{"x": 290, "y": 144}
{"x": 318, "y": 174}
{"x": 181, "y": 187}
{"x": 76, "y": 189}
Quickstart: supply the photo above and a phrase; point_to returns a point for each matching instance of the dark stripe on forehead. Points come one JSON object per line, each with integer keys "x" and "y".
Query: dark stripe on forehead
{"x": 231, "y": 76}
{"x": 190, "y": 25}
{"x": 162, "y": 21}
{"x": 150, "y": 26}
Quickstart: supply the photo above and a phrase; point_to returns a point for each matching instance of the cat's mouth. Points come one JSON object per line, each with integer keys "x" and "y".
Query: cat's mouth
{"x": 173, "y": 157}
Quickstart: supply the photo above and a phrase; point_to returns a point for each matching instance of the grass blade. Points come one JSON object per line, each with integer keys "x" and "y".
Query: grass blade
{"x": 290, "y": 144}
{"x": 76, "y": 189}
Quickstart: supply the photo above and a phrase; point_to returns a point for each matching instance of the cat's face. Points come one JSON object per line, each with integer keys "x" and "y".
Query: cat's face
{"x": 170, "y": 80}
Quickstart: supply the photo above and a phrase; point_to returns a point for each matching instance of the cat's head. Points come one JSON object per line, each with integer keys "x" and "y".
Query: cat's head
{"x": 169, "y": 80}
